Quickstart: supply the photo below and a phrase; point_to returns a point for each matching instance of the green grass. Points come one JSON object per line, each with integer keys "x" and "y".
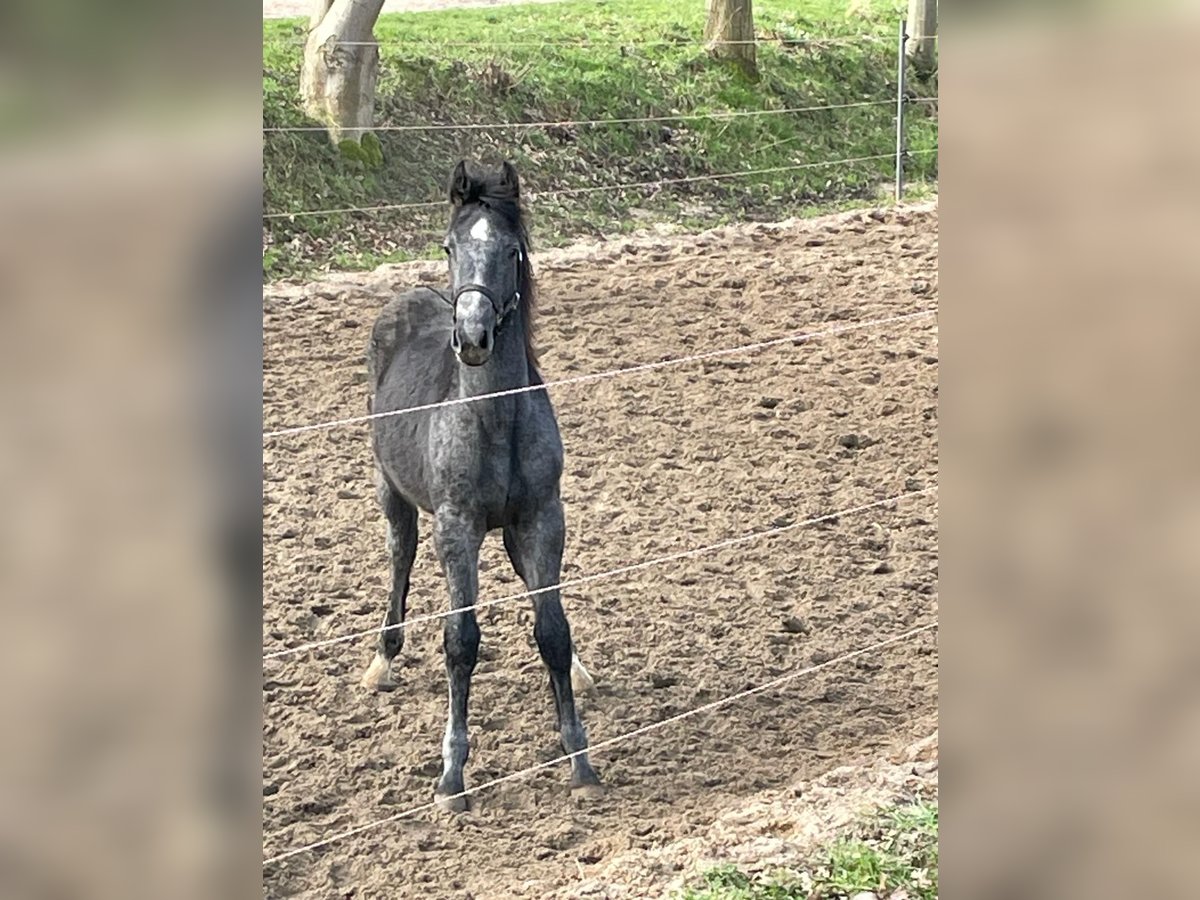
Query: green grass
{"x": 893, "y": 850}
{"x": 530, "y": 72}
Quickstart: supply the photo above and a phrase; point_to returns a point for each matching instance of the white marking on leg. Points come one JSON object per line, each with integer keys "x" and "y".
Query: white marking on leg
{"x": 481, "y": 230}
{"x": 581, "y": 679}
{"x": 378, "y": 674}
{"x": 447, "y": 748}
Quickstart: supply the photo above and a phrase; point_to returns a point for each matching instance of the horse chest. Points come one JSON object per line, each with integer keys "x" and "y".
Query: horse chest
{"x": 481, "y": 470}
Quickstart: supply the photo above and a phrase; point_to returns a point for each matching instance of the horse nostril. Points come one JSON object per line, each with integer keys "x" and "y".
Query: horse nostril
{"x": 483, "y": 343}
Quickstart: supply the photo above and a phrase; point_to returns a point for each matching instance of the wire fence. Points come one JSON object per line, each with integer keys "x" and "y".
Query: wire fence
{"x": 798, "y": 338}
{"x": 605, "y": 744}
{"x": 591, "y": 43}
{"x": 645, "y": 564}
{"x": 632, "y": 120}
{"x": 534, "y": 196}
{"x": 599, "y": 576}
{"x": 547, "y": 124}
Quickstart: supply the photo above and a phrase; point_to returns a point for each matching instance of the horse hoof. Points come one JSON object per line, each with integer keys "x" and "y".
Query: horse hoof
{"x": 378, "y": 676}
{"x": 587, "y": 791}
{"x": 452, "y": 803}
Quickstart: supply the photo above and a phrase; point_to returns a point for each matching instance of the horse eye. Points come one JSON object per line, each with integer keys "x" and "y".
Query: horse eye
{"x": 446, "y": 249}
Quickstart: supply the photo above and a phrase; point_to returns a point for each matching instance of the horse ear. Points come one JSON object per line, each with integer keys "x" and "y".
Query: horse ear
{"x": 511, "y": 179}
{"x": 460, "y": 184}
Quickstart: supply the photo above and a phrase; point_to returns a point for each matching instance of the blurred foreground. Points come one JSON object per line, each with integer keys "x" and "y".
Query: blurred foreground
{"x": 130, "y": 353}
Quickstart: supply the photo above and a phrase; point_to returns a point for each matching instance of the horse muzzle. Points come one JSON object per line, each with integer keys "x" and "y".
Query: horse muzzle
{"x": 474, "y": 337}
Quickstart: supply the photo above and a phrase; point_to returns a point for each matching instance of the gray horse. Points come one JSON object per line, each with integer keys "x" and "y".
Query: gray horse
{"x": 476, "y": 466}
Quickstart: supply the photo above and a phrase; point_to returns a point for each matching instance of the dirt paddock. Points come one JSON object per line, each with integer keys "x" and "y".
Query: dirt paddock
{"x": 656, "y": 463}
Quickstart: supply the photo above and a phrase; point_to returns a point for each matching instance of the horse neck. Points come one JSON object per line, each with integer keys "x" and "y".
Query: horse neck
{"x": 508, "y": 366}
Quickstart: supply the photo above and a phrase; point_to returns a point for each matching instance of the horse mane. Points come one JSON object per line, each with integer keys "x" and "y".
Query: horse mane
{"x": 499, "y": 189}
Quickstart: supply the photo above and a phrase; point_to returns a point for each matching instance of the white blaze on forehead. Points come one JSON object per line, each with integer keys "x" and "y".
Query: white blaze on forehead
{"x": 481, "y": 230}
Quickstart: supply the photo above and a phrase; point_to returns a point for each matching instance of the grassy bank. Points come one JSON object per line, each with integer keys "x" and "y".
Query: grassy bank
{"x": 526, "y": 63}
{"x": 894, "y": 853}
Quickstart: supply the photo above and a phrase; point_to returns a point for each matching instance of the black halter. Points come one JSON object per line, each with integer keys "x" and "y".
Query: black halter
{"x": 502, "y": 309}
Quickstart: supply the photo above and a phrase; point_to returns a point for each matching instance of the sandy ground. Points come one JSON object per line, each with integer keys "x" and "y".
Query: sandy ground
{"x": 656, "y": 463}
{"x": 774, "y": 829}
{"x": 286, "y": 9}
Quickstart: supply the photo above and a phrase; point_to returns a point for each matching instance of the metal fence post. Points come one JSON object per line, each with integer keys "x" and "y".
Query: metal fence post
{"x": 900, "y": 72}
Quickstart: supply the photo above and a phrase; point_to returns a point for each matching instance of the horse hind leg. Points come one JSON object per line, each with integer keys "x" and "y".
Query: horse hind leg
{"x": 581, "y": 679}
{"x": 402, "y": 550}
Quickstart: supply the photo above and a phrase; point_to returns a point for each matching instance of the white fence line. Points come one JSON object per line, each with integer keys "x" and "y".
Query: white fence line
{"x": 573, "y": 123}
{"x": 598, "y": 376}
{"x": 784, "y": 40}
{"x": 587, "y": 579}
{"x": 602, "y": 745}
{"x": 586, "y": 44}
{"x": 534, "y": 196}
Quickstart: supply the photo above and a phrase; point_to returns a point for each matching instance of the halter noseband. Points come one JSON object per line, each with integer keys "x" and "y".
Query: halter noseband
{"x": 502, "y": 309}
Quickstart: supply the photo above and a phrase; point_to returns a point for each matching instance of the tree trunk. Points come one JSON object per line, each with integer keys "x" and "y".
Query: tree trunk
{"x": 337, "y": 82}
{"x": 730, "y": 33}
{"x": 921, "y": 48}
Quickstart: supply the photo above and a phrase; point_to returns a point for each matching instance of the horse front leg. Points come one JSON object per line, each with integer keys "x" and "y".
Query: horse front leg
{"x": 535, "y": 545}
{"x": 458, "y": 537}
